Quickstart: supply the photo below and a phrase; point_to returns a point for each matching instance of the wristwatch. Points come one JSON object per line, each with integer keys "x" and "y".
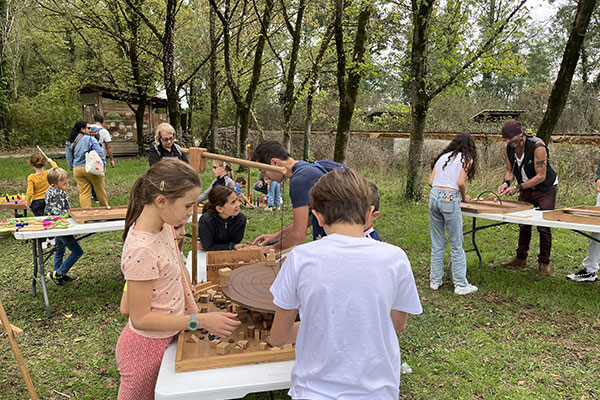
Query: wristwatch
{"x": 518, "y": 188}
{"x": 193, "y": 323}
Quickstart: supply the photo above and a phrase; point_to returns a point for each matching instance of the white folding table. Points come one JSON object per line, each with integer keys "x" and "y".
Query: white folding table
{"x": 219, "y": 383}
{"x": 40, "y": 257}
{"x": 528, "y": 217}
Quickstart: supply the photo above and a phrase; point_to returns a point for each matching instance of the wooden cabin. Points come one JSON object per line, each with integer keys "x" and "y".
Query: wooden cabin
{"x": 119, "y": 118}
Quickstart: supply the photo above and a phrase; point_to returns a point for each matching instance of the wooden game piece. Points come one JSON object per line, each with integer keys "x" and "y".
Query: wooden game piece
{"x": 264, "y": 333}
{"x": 17, "y": 332}
{"x": 192, "y": 338}
{"x": 263, "y": 345}
{"x": 241, "y": 335}
{"x": 235, "y": 308}
{"x": 243, "y": 344}
{"x": 204, "y": 297}
{"x": 223, "y": 348}
{"x": 214, "y": 343}
{"x": 243, "y": 315}
{"x": 271, "y": 258}
{"x": 256, "y": 317}
{"x": 250, "y": 331}
{"x": 275, "y": 348}
{"x": 257, "y": 335}
{"x": 288, "y": 347}
{"x": 225, "y": 276}
{"x": 237, "y": 350}
{"x": 204, "y": 309}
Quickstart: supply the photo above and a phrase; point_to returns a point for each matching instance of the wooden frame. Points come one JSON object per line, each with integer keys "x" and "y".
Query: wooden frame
{"x": 580, "y": 214}
{"x": 494, "y": 206}
{"x": 233, "y": 259}
{"x": 83, "y": 215}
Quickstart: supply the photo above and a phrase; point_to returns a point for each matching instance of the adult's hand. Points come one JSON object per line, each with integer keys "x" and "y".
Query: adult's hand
{"x": 467, "y": 198}
{"x": 265, "y": 239}
{"x": 502, "y": 188}
{"x": 112, "y": 163}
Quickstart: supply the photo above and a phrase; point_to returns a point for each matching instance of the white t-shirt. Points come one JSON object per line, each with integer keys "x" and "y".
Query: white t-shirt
{"x": 345, "y": 288}
{"x": 104, "y": 138}
{"x": 447, "y": 177}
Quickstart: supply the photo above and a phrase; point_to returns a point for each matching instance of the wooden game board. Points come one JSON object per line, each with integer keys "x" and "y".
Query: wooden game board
{"x": 249, "y": 287}
{"x": 198, "y": 354}
{"x": 83, "y": 215}
{"x": 494, "y": 206}
{"x": 233, "y": 259}
{"x": 580, "y": 214}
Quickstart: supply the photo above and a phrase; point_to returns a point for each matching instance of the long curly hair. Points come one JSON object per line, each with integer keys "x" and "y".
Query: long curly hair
{"x": 77, "y": 130}
{"x": 462, "y": 143}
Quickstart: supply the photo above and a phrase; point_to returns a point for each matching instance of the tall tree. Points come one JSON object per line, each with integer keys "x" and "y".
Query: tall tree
{"x": 243, "y": 101}
{"x": 562, "y": 85}
{"x": 425, "y": 88}
{"x": 348, "y": 76}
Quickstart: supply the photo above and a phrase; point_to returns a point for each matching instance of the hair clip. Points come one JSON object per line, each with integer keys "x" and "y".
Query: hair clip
{"x": 162, "y": 185}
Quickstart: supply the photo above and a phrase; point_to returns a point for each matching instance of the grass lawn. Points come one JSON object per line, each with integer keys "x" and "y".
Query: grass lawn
{"x": 518, "y": 337}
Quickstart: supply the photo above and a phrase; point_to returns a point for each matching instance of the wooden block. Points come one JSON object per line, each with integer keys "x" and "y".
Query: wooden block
{"x": 235, "y": 308}
{"x": 204, "y": 298}
{"x": 237, "y": 350}
{"x": 223, "y": 348}
{"x": 288, "y": 346}
{"x": 204, "y": 309}
{"x": 225, "y": 276}
{"x": 263, "y": 345}
{"x": 192, "y": 338}
{"x": 243, "y": 344}
{"x": 243, "y": 315}
{"x": 271, "y": 258}
{"x": 219, "y": 301}
{"x": 214, "y": 343}
{"x": 250, "y": 331}
{"x": 257, "y": 317}
{"x": 264, "y": 334}
{"x": 257, "y": 335}
{"x": 241, "y": 335}
{"x": 275, "y": 348}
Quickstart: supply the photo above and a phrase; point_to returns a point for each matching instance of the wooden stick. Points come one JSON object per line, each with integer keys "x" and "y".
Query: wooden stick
{"x": 18, "y": 332}
{"x": 245, "y": 163}
{"x": 15, "y": 349}
{"x": 195, "y": 244}
{"x": 44, "y": 154}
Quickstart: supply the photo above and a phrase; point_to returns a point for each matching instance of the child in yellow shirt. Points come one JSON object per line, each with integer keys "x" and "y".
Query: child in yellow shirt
{"x": 37, "y": 184}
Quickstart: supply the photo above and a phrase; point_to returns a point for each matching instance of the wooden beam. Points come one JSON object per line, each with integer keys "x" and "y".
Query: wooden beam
{"x": 198, "y": 156}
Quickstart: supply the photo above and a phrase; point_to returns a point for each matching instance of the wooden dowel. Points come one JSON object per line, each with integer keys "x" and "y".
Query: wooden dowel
{"x": 45, "y": 156}
{"x": 240, "y": 161}
{"x": 18, "y": 332}
{"x": 195, "y": 244}
{"x": 15, "y": 349}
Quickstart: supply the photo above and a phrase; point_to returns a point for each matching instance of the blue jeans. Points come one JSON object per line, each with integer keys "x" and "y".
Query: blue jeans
{"x": 62, "y": 267}
{"x": 445, "y": 215}
{"x": 274, "y": 194}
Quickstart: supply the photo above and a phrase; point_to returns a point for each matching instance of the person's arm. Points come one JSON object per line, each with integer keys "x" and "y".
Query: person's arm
{"x": 284, "y": 329}
{"x": 110, "y": 154}
{"x": 432, "y": 176}
{"x": 69, "y": 154}
{"x": 29, "y": 194}
{"x": 204, "y": 195}
{"x": 399, "y": 319}
{"x": 139, "y": 296}
{"x": 508, "y": 175}
{"x": 293, "y": 234}
{"x": 237, "y": 234}
{"x": 597, "y": 177}
{"x": 462, "y": 184}
{"x": 541, "y": 166}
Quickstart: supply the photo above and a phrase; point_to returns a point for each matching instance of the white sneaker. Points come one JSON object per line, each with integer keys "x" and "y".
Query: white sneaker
{"x": 435, "y": 285}
{"x": 462, "y": 290}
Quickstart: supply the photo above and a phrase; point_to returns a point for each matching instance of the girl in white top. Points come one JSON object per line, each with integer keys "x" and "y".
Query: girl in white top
{"x": 451, "y": 169}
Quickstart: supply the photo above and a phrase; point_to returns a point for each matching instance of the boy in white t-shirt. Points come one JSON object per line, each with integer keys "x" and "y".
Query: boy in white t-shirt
{"x": 353, "y": 294}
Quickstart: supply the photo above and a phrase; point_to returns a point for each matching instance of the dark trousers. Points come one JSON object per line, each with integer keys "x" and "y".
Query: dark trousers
{"x": 37, "y": 207}
{"x": 543, "y": 201}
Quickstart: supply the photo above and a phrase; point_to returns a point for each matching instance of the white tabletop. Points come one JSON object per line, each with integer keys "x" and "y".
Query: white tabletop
{"x": 201, "y": 265}
{"x": 219, "y": 383}
{"x": 533, "y": 217}
{"x": 73, "y": 229}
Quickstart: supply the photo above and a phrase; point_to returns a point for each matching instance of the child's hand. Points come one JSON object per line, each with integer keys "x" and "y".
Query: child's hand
{"x": 467, "y": 198}
{"x": 220, "y": 324}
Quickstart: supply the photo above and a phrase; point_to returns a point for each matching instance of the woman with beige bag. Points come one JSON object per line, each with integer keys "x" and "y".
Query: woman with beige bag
{"x": 84, "y": 154}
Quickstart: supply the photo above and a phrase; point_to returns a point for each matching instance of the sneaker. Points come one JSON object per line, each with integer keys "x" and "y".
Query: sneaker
{"x": 515, "y": 262}
{"x": 462, "y": 290}
{"x": 435, "y": 285}
{"x": 69, "y": 278}
{"x": 44, "y": 245}
{"x": 268, "y": 208}
{"x": 583, "y": 276}
{"x": 57, "y": 279}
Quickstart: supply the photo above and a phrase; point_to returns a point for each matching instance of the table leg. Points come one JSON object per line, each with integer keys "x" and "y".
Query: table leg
{"x": 475, "y": 248}
{"x": 42, "y": 280}
{"x": 35, "y": 268}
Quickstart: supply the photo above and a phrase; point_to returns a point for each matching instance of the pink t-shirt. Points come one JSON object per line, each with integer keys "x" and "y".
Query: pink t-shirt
{"x": 155, "y": 256}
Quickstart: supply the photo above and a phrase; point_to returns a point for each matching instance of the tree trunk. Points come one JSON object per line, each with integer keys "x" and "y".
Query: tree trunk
{"x": 139, "y": 122}
{"x": 214, "y": 91}
{"x": 307, "y": 128}
{"x": 348, "y": 88}
{"x": 169, "y": 69}
{"x": 419, "y": 100}
{"x": 289, "y": 96}
{"x": 4, "y": 86}
{"x": 560, "y": 91}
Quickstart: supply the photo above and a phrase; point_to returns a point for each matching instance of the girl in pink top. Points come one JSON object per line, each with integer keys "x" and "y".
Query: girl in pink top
{"x": 159, "y": 293}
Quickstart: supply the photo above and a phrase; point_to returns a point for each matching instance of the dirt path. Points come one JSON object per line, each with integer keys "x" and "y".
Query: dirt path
{"x": 27, "y": 151}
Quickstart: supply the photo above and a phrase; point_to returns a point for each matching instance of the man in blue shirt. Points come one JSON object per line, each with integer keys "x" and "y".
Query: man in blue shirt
{"x": 302, "y": 175}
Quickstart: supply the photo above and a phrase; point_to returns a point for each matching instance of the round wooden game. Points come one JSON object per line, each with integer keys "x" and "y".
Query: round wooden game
{"x": 249, "y": 287}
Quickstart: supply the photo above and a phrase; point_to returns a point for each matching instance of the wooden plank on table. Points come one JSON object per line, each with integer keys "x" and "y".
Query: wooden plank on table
{"x": 18, "y": 332}
{"x": 83, "y": 215}
{"x": 494, "y": 206}
{"x": 561, "y": 215}
{"x": 583, "y": 210}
